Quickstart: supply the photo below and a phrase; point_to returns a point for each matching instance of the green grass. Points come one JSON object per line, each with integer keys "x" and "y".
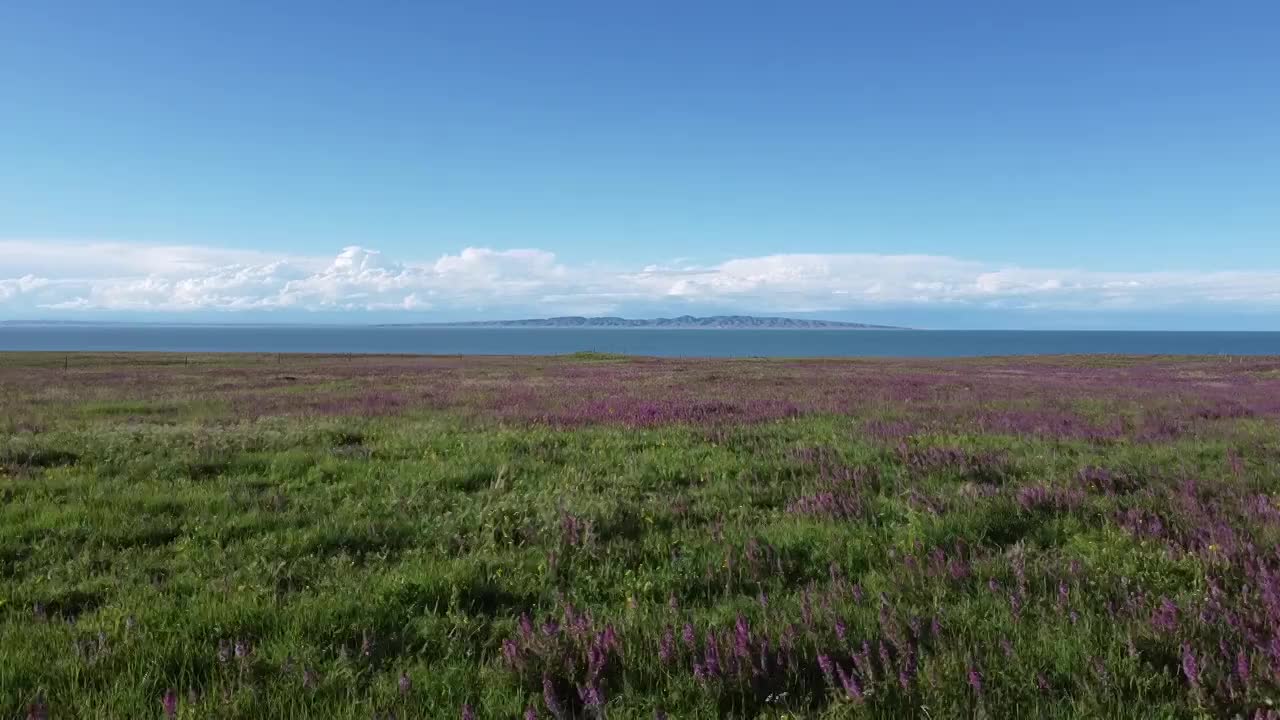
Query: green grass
{"x": 149, "y": 531}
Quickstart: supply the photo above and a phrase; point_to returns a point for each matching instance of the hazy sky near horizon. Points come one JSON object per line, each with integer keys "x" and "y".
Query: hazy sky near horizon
{"x": 1089, "y": 164}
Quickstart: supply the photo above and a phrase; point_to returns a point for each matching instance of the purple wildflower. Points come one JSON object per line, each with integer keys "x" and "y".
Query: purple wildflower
{"x": 828, "y": 667}
{"x": 742, "y": 637}
{"x": 1190, "y": 667}
{"x": 1165, "y": 618}
{"x": 850, "y": 684}
{"x": 689, "y": 636}
{"x": 405, "y": 684}
{"x": 907, "y": 672}
{"x": 530, "y": 713}
{"x": 467, "y": 712}
{"x": 590, "y": 696}
{"x": 511, "y": 653}
{"x": 667, "y": 646}
{"x": 596, "y": 659}
{"x": 864, "y": 661}
{"x": 609, "y": 638}
{"x": 711, "y": 661}
{"x": 1242, "y": 668}
{"x": 551, "y": 699}
{"x": 975, "y": 680}
{"x": 169, "y": 703}
{"x": 886, "y": 655}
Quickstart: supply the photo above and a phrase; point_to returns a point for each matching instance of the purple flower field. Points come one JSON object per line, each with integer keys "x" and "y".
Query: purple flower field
{"x": 1088, "y": 398}
{"x": 590, "y": 536}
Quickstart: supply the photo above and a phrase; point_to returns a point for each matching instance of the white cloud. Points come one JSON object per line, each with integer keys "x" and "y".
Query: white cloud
{"x": 128, "y": 277}
{"x": 67, "y": 259}
{"x": 16, "y": 286}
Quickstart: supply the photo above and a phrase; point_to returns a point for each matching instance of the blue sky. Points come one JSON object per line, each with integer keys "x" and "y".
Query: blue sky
{"x": 972, "y": 164}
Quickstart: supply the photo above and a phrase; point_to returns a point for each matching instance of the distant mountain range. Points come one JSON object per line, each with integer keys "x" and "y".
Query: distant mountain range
{"x": 684, "y": 322}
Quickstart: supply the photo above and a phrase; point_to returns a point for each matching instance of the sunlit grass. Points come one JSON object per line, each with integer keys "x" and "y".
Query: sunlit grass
{"x": 361, "y": 537}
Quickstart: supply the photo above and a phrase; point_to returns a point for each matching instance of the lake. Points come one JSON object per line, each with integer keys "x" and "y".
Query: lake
{"x": 671, "y": 343}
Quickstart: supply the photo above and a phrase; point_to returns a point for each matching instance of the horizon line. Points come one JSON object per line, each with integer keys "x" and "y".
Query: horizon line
{"x": 497, "y": 325}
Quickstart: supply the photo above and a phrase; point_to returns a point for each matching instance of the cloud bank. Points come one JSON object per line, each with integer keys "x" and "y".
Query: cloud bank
{"x": 46, "y": 278}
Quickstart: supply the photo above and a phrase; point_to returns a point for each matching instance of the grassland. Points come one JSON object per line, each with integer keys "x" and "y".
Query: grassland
{"x": 593, "y": 536}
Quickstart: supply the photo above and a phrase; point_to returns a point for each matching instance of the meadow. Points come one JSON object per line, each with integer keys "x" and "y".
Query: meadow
{"x": 262, "y": 536}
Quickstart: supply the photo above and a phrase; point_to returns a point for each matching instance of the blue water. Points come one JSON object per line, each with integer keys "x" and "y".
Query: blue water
{"x": 677, "y": 343}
